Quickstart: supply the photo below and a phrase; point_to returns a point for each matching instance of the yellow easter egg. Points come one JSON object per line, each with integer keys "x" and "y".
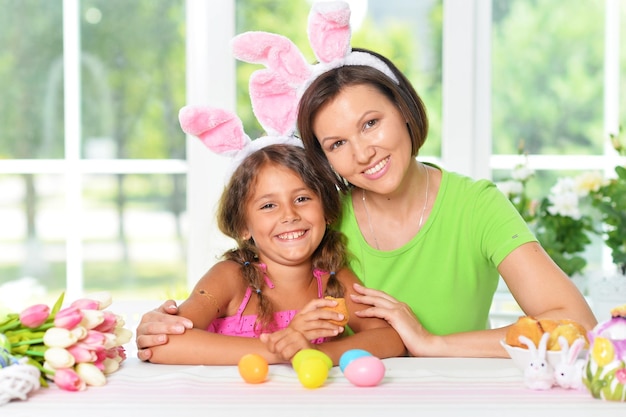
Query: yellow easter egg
{"x": 312, "y": 372}
{"x": 602, "y": 351}
{"x": 310, "y": 353}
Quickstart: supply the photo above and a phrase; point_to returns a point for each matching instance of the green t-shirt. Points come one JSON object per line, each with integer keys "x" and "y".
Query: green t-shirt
{"x": 448, "y": 272}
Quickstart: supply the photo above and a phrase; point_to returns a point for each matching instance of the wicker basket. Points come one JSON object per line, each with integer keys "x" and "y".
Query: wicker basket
{"x": 16, "y": 381}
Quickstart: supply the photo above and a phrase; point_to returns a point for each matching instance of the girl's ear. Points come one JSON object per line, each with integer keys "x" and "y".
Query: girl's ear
{"x": 245, "y": 234}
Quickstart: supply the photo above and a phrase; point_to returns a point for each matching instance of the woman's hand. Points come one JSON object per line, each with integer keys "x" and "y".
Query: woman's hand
{"x": 156, "y": 324}
{"x": 399, "y": 316}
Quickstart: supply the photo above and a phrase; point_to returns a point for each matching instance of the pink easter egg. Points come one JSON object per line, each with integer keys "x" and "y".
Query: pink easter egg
{"x": 366, "y": 371}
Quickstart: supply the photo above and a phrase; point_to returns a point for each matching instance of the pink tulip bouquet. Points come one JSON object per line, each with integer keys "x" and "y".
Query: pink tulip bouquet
{"x": 75, "y": 346}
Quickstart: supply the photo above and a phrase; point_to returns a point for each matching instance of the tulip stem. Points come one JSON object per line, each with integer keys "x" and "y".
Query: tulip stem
{"x": 34, "y": 353}
{"x": 27, "y": 342}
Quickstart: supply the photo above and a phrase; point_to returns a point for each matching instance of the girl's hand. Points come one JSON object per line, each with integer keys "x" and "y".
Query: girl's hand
{"x": 313, "y": 321}
{"x": 399, "y": 316}
{"x": 285, "y": 343}
{"x": 155, "y": 325}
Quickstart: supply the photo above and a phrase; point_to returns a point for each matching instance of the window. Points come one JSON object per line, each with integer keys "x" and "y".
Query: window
{"x": 99, "y": 187}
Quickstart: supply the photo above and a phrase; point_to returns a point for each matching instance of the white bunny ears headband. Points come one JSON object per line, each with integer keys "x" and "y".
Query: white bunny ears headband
{"x": 275, "y": 91}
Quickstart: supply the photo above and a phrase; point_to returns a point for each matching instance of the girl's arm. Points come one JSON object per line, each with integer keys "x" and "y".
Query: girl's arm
{"x": 199, "y": 347}
{"x": 217, "y": 293}
{"x": 371, "y": 334}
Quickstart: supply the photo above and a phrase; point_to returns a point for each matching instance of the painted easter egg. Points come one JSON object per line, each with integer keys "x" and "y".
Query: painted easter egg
{"x": 253, "y": 368}
{"x": 366, "y": 371}
{"x": 350, "y": 355}
{"x": 305, "y": 354}
{"x": 312, "y": 372}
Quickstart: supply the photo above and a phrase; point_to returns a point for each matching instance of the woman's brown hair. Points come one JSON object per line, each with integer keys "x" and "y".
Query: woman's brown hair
{"x": 328, "y": 85}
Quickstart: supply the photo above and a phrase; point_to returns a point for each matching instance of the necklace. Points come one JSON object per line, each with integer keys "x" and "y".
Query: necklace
{"x": 369, "y": 219}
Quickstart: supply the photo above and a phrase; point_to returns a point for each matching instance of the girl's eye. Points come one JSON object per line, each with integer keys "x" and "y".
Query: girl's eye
{"x": 267, "y": 206}
{"x": 303, "y": 199}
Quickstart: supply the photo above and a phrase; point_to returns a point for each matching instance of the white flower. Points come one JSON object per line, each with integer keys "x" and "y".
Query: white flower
{"x": 522, "y": 172}
{"x": 588, "y": 182}
{"x": 91, "y": 374}
{"x": 564, "y": 204}
{"x": 510, "y": 188}
{"x": 103, "y": 298}
{"x": 92, "y": 318}
{"x": 59, "y": 337}
{"x": 564, "y": 185}
{"x": 123, "y": 336}
{"x": 57, "y": 357}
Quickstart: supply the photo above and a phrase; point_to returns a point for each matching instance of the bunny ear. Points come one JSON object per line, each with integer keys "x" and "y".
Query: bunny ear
{"x": 273, "y": 91}
{"x": 329, "y": 30}
{"x": 529, "y": 343}
{"x": 220, "y": 130}
{"x": 274, "y": 103}
{"x": 276, "y": 52}
{"x": 575, "y": 349}
{"x": 543, "y": 344}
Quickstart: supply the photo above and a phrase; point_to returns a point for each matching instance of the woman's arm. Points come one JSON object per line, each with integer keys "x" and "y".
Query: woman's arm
{"x": 537, "y": 284}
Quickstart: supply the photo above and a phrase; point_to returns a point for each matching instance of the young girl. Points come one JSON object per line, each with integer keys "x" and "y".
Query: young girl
{"x": 277, "y": 207}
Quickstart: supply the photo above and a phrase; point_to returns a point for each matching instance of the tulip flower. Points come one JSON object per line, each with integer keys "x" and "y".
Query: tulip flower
{"x": 69, "y": 380}
{"x": 80, "y": 332}
{"x": 110, "y": 366}
{"x": 109, "y": 323}
{"x": 92, "y": 318}
{"x": 103, "y": 298}
{"x": 35, "y": 316}
{"x": 68, "y": 318}
{"x": 95, "y": 341}
{"x": 123, "y": 335}
{"x": 59, "y": 337}
{"x": 58, "y": 357}
{"x": 82, "y": 353}
{"x": 85, "y": 304}
{"x": 91, "y": 374}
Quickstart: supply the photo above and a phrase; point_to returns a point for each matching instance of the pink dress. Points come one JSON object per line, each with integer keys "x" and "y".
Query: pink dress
{"x": 243, "y": 326}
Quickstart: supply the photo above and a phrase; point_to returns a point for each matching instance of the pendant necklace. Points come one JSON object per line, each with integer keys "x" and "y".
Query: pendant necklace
{"x": 369, "y": 220}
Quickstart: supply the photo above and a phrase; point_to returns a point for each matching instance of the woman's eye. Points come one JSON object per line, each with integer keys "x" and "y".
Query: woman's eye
{"x": 337, "y": 144}
{"x": 370, "y": 123}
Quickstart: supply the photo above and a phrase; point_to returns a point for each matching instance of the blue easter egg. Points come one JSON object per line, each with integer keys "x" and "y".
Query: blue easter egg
{"x": 350, "y": 355}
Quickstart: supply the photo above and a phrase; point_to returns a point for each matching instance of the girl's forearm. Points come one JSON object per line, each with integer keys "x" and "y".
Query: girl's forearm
{"x": 199, "y": 347}
{"x": 382, "y": 343}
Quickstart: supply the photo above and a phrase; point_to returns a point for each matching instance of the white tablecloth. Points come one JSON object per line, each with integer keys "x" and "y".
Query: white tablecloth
{"x": 411, "y": 387}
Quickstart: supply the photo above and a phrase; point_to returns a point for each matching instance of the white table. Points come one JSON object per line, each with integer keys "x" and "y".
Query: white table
{"x": 412, "y": 387}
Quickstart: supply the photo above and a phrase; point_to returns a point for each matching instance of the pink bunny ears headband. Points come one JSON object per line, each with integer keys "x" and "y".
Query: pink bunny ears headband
{"x": 287, "y": 74}
{"x": 275, "y": 91}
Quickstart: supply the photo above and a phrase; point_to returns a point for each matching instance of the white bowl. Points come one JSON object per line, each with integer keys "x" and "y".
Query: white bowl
{"x": 521, "y": 356}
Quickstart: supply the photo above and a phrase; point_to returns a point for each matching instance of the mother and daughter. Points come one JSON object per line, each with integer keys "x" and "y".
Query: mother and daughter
{"x": 429, "y": 245}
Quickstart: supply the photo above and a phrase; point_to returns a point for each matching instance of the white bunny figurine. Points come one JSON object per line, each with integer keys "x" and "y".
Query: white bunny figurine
{"x": 539, "y": 374}
{"x": 569, "y": 372}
